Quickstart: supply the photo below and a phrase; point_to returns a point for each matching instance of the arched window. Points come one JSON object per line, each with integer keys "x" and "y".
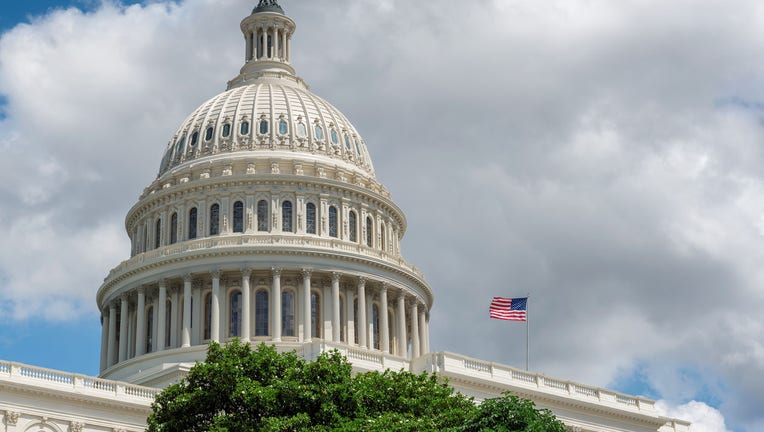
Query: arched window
{"x": 207, "y": 316}
{"x": 347, "y": 142}
{"x": 238, "y": 217}
{"x": 180, "y": 147}
{"x": 262, "y": 215}
{"x": 286, "y": 217}
{"x": 302, "y": 131}
{"x": 357, "y": 146}
{"x": 383, "y": 234}
{"x": 150, "y": 329}
{"x": 215, "y": 219}
{"x": 335, "y": 137}
{"x": 332, "y": 221}
{"x": 310, "y": 218}
{"x": 209, "y": 133}
{"x": 353, "y": 226}
{"x": 283, "y": 127}
{"x": 168, "y": 323}
{"x": 375, "y": 325}
{"x": 261, "y": 313}
{"x": 194, "y": 138}
{"x": 158, "y": 234}
{"x": 369, "y": 231}
{"x": 287, "y": 313}
{"x": 315, "y": 315}
{"x": 244, "y": 128}
{"x": 235, "y": 313}
{"x": 226, "y": 130}
{"x": 174, "y": 228}
{"x": 263, "y": 126}
{"x": 192, "y": 221}
{"x": 319, "y": 131}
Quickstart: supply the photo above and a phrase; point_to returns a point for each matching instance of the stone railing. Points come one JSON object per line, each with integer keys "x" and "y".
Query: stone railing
{"x": 20, "y": 373}
{"x": 499, "y": 375}
{"x": 269, "y": 240}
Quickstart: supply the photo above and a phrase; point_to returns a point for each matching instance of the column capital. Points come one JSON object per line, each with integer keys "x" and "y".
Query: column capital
{"x": 124, "y": 297}
{"x": 276, "y": 271}
{"x": 384, "y": 286}
{"x": 246, "y": 272}
{"x": 187, "y": 278}
{"x": 336, "y": 276}
{"x": 362, "y": 281}
{"x": 306, "y": 272}
{"x": 113, "y": 305}
{"x": 141, "y": 290}
{"x": 215, "y": 273}
{"x": 163, "y": 283}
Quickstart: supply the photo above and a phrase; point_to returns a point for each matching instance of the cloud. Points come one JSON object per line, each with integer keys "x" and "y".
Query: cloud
{"x": 703, "y": 417}
{"x": 604, "y": 157}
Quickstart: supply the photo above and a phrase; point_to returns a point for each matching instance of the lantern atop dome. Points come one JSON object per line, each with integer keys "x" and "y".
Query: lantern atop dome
{"x": 268, "y": 6}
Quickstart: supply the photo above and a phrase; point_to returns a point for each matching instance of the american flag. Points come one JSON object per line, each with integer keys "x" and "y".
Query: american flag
{"x": 510, "y": 309}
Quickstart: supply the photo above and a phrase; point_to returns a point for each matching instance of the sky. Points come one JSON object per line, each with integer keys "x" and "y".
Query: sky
{"x": 604, "y": 157}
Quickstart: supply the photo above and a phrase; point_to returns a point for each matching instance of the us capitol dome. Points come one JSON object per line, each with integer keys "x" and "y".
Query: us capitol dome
{"x": 265, "y": 223}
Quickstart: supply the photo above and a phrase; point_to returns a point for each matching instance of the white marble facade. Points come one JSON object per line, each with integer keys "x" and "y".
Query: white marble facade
{"x": 266, "y": 223}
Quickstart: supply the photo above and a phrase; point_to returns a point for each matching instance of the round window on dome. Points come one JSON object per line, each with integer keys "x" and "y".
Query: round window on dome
{"x": 226, "y": 130}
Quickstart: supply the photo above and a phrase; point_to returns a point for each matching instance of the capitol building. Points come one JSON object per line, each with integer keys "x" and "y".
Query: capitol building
{"x": 266, "y": 223}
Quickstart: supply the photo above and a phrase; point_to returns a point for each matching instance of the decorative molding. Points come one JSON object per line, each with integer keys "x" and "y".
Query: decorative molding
{"x": 12, "y": 418}
{"x": 76, "y": 426}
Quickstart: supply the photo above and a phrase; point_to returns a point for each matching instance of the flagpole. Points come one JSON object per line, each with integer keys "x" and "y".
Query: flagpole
{"x": 527, "y": 333}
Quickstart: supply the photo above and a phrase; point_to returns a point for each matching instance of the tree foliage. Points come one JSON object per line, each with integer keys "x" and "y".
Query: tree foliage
{"x": 241, "y": 389}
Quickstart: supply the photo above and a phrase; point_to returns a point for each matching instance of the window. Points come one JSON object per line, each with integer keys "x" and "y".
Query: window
{"x": 215, "y": 219}
{"x": 192, "y": 221}
{"x": 150, "y": 329}
{"x": 262, "y": 215}
{"x": 261, "y": 313}
{"x": 283, "y": 127}
{"x": 263, "y": 126}
{"x": 347, "y": 142}
{"x": 244, "y": 128}
{"x": 179, "y": 148}
{"x": 238, "y": 217}
{"x": 333, "y": 221}
{"x": 369, "y": 231}
{"x": 310, "y": 218}
{"x": 319, "y": 131}
{"x": 375, "y": 326}
{"x": 226, "y": 130}
{"x": 209, "y": 133}
{"x": 335, "y": 137}
{"x": 353, "y": 226}
{"x": 174, "y": 228}
{"x": 168, "y": 324}
{"x": 383, "y": 233}
{"x": 358, "y": 324}
{"x": 194, "y": 138}
{"x": 158, "y": 234}
{"x": 235, "y": 314}
{"x": 315, "y": 315}
{"x": 207, "y": 316}
{"x": 357, "y": 146}
{"x": 287, "y": 313}
{"x": 302, "y": 131}
{"x": 286, "y": 216}
{"x": 342, "y": 319}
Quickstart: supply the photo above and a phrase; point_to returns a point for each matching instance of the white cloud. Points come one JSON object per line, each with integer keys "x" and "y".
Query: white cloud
{"x": 703, "y": 417}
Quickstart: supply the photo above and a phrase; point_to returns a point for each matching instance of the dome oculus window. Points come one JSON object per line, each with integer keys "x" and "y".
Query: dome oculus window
{"x": 194, "y": 138}
{"x": 302, "y": 131}
{"x": 226, "y": 130}
{"x": 347, "y": 143}
{"x": 319, "y": 131}
{"x": 208, "y": 134}
{"x": 180, "y": 147}
{"x": 263, "y": 125}
{"x": 283, "y": 127}
{"x": 357, "y": 146}
{"x": 335, "y": 137}
{"x": 244, "y": 128}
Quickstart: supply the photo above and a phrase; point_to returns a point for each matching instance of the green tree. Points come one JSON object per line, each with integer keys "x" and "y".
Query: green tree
{"x": 243, "y": 389}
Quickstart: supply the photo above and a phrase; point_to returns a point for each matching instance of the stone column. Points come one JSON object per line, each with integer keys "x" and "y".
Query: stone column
{"x": 275, "y": 51}
{"x": 276, "y": 304}
{"x": 422, "y": 331}
{"x": 402, "y": 338}
{"x": 415, "y": 352}
{"x": 361, "y": 323}
{"x": 186, "y": 339}
{"x": 215, "y": 318}
{"x": 245, "y": 305}
{"x": 161, "y": 317}
{"x": 306, "y": 311}
{"x": 104, "y": 340}
{"x": 336, "y": 307}
{"x": 248, "y": 54}
{"x": 140, "y": 327}
{"x": 384, "y": 331}
{"x": 174, "y": 318}
{"x": 123, "y": 329}
{"x": 350, "y": 314}
{"x": 283, "y": 44}
{"x": 197, "y": 321}
{"x": 264, "y": 40}
{"x": 111, "y": 350}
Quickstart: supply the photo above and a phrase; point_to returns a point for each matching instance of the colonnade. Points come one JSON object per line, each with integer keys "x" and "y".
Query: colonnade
{"x": 289, "y": 305}
{"x": 269, "y": 43}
